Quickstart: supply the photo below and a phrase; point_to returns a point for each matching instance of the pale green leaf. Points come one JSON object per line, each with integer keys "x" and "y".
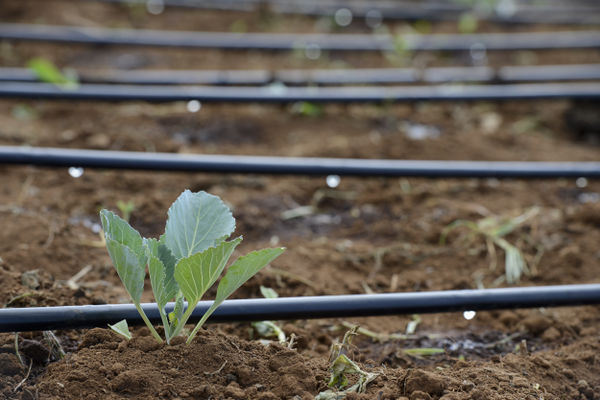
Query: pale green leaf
{"x": 197, "y": 221}
{"x": 164, "y": 289}
{"x": 161, "y": 266}
{"x": 121, "y": 328}
{"x": 197, "y": 273}
{"x": 119, "y": 230}
{"x": 424, "y": 351}
{"x": 130, "y": 267}
{"x": 239, "y": 272}
{"x": 177, "y": 313}
{"x": 46, "y": 71}
{"x": 268, "y": 293}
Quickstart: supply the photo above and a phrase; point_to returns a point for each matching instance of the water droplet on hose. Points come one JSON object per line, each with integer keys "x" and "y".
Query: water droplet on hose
{"x": 312, "y": 51}
{"x": 343, "y": 17}
{"x": 75, "y": 172}
{"x": 155, "y": 7}
{"x": 333, "y": 181}
{"x": 373, "y": 19}
{"x": 478, "y": 53}
{"x": 581, "y": 182}
{"x": 469, "y": 315}
{"x": 194, "y": 106}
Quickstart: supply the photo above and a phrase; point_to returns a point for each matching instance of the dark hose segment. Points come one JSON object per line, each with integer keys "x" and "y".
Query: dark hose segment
{"x": 283, "y": 41}
{"x": 54, "y": 157}
{"x": 372, "y": 76}
{"x": 287, "y": 308}
{"x": 283, "y": 94}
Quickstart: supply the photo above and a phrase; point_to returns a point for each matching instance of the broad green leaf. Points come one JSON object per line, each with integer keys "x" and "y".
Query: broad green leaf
{"x": 161, "y": 266}
{"x": 245, "y": 268}
{"x": 130, "y": 267}
{"x": 239, "y": 272}
{"x": 197, "y": 273}
{"x": 121, "y": 328}
{"x": 164, "y": 286}
{"x": 119, "y": 230}
{"x": 197, "y": 221}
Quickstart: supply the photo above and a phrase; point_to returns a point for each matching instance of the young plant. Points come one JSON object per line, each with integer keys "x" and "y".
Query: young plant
{"x": 184, "y": 262}
{"x": 47, "y": 72}
{"x": 126, "y": 209}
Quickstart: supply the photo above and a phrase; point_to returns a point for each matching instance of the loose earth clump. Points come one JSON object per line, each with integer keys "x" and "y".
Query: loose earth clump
{"x": 371, "y": 235}
{"x": 213, "y": 366}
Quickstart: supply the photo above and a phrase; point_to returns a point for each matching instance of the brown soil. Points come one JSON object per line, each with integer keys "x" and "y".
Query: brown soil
{"x": 367, "y": 235}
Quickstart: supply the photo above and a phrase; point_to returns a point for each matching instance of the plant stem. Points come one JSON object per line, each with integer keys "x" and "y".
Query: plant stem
{"x": 148, "y": 323}
{"x": 184, "y": 318}
{"x": 198, "y": 326}
{"x": 166, "y": 326}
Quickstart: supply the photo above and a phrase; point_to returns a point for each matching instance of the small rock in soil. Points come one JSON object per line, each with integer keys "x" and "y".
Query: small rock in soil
{"x": 97, "y": 336}
{"x": 34, "y": 350}
{"x": 425, "y": 381}
{"x": 234, "y": 390}
{"x": 145, "y": 343}
{"x": 536, "y": 324}
{"x": 585, "y": 389}
{"x": 419, "y": 395}
{"x": 551, "y": 334}
{"x": 133, "y": 382}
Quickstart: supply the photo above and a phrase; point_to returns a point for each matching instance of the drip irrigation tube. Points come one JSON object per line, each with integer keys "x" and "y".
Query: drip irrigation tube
{"x": 291, "y": 41}
{"x": 537, "y": 73}
{"x": 53, "y": 157}
{"x": 283, "y": 94}
{"x": 287, "y": 308}
{"x": 374, "y": 11}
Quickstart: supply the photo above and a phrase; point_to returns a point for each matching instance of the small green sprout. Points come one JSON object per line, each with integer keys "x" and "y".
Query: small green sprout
{"x": 402, "y": 54}
{"x": 47, "y": 72}
{"x": 468, "y": 23}
{"x": 308, "y": 109}
{"x": 126, "y": 209}
{"x": 184, "y": 262}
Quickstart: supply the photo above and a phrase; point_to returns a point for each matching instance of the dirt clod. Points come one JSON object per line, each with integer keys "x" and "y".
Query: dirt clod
{"x": 35, "y": 350}
{"x": 423, "y": 381}
{"x": 9, "y": 364}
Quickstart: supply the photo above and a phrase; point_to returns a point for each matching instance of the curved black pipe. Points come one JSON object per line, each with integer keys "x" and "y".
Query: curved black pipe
{"x": 286, "y": 308}
{"x": 293, "y": 165}
{"x": 284, "y": 94}
{"x": 290, "y": 41}
{"x": 327, "y": 76}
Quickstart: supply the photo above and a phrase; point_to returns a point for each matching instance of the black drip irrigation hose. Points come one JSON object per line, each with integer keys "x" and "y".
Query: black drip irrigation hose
{"x": 289, "y": 41}
{"x": 375, "y": 11}
{"x": 539, "y": 73}
{"x": 53, "y": 157}
{"x": 289, "y": 308}
{"x": 284, "y": 94}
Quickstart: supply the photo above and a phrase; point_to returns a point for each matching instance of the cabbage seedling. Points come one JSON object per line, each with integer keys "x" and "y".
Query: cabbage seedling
{"x": 184, "y": 262}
